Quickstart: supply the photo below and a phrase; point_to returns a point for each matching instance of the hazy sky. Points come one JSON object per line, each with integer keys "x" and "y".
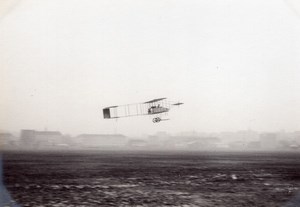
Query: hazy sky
{"x": 235, "y": 64}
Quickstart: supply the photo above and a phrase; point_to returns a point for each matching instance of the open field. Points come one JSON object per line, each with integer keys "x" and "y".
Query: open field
{"x": 152, "y": 178}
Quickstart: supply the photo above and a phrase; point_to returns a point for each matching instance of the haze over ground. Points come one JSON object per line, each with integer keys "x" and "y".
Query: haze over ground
{"x": 235, "y": 64}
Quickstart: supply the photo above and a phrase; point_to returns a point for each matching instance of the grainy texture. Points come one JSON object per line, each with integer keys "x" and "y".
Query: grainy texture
{"x": 152, "y": 178}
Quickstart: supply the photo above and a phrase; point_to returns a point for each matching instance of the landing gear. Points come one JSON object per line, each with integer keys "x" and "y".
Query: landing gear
{"x": 156, "y": 120}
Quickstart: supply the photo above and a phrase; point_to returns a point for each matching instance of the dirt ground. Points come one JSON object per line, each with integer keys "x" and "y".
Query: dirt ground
{"x": 152, "y": 178}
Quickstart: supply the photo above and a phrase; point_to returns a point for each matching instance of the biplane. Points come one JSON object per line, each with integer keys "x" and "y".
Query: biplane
{"x": 156, "y": 107}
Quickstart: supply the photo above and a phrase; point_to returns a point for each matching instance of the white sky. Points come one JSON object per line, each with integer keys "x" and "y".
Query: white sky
{"x": 235, "y": 64}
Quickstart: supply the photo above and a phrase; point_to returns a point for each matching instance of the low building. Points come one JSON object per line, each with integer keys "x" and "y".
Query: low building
{"x": 254, "y": 145}
{"x": 6, "y": 139}
{"x": 41, "y": 139}
{"x": 101, "y": 140}
{"x": 27, "y": 138}
{"x": 195, "y": 142}
{"x": 48, "y": 138}
{"x": 237, "y": 145}
{"x": 268, "y": 141}
{"x": 137, "y": 143}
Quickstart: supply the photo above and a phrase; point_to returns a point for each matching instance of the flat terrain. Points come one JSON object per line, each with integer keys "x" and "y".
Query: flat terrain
{"x": 152, "y": 178}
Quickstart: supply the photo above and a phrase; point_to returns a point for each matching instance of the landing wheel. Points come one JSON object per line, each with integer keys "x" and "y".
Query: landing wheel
{"x": 156, "y": 120}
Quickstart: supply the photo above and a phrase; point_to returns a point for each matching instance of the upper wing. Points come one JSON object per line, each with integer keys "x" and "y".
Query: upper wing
{"x": 154, "y": 100}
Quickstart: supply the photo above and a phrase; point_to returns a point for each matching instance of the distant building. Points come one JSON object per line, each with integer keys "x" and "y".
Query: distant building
{"x": 255, "y": 145}
{"x": 247, "y": 136}
{"x": 268, "y": 141}
{"x": 296, "y": 136}
{"x": 48, "y": 138}
{"x": 32, "y": 138}
{"x": 101, "y": 140}
{"x": 6, "y": 139}
{"x": 27, "y": 138}
{"x": 195, "y": 142}
{"x": 239, "y": 136}
{"x": 237, "y": 145}
{"x": 286, "y": 144}
{"x": 159, "y": 141}
{"x": 137, "y": 143}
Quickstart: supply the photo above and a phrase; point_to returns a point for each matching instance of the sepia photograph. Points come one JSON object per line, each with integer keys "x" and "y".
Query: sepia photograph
{"x": 149, "y": 103}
